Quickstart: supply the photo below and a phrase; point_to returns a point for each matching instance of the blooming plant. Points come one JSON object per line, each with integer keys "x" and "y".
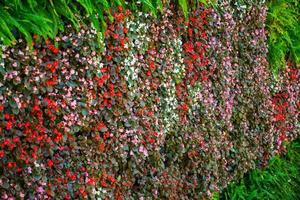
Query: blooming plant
{"x": 162, "y": 108}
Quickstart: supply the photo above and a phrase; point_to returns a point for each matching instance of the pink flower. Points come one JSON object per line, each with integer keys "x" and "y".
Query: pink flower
{"x": 143, "y": 150}
{"x": 40, "y": 190}
{"x": 22, "y": 195}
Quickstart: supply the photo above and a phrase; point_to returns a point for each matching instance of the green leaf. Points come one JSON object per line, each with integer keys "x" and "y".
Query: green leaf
{"x": 148, "y": 5}
{"x": 159, "y": 5}
{"x": 84, "y": 112}
{"x": 184, "y": 6}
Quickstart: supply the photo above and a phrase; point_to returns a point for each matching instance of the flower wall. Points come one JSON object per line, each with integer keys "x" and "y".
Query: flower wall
{"x": 161, "y": 109}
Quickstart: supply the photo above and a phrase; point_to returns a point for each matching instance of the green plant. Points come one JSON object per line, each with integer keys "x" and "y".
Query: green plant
{"x": 187, "y": 5}
{"x": 283, "y": 24}
{"x": 46, "y": 17}
{"x": 280, "y": 180}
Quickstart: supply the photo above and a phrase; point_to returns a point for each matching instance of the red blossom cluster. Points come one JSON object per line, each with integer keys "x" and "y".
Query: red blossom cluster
{"x": 196, "y": 62}
{"x": 286, "y": 107}
{"x": 280, "y": 104}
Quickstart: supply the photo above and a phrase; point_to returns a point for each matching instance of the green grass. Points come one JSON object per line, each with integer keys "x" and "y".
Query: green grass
{"x": 279, "y": 181}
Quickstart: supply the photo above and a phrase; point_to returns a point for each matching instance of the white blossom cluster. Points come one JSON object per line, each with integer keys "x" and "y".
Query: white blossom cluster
{"x": 101, "y": 193}
{"x": 169, "y": 103}
{"x": 138, "y": 44}
{"x": 168, "y": 106}
{"x": 178, "y": 67}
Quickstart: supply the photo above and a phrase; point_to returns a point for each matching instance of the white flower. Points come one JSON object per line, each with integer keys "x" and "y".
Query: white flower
{"x": 36, "y": 164}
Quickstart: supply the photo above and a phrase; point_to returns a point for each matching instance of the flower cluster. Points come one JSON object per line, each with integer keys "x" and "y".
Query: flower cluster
{"x": 286, "y": 104}
{"x": 160, "y": 109}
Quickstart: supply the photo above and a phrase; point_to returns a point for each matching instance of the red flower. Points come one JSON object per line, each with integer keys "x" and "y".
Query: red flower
{"x": 6, "y": 116}
{"x": 106, "y": 135}
{"x": 81, "y": 190}
{"x": 49, "y": 65}
{"x": 55, "y": 63}
{"x": 111, "y": 179}
{"x": 148, "y": 73}
{"x": 190, "y": 32}
{"x": 1, "y": 154}
{"x": 293, "y": 74}
{"x": 188, "y": 47}
{"x": 192, "y": 19}
{"x": 194, "y": 56}
{"x": 203, "y": 15}
{"x": 204, "y": 75}
{"x": 5, "y": 143}
{"x": 9, "y": 125}
{"x": 82, "y": 169}
{"x": 115, "y": 36}
{"x": 103, "y": 69}
{"x": 109, "y": 57}
{"x": 50, "y": 163}
{"x": 52, "y": 81}
{"x": 125, "y": 30}
{"x": 119, "y": 17}
{"x": 101, "y": 126}
{"x": 103, "y": 183}
{"x": 34, "y": 155}
{"x": 184, "y": 107}
{"x": 151, "y": 141}
{"x": 194, "y": 79}
{"x": 52, "y": 67}
{"x": 102, "y": 147}
{"x": 189, "y": 65}
{"x": 53, "y": 49}
{"x": 152, "y": 65}
{"x": 180, "y": 20}
{"x": 282, "y": 136}
{"x": 91, "y": 181}
{"x": 122, "y": 42}
{"x": 16, "y": 139}
{"x": 127, "y": 12}
{"x": 105, "y": 77}
{"x": 120, "y": 8}
{"x": 279, "y": 117}
{"x": 58, "y": 136}
{"x": 11, "y": 165}
{"x": 1, "y": 107}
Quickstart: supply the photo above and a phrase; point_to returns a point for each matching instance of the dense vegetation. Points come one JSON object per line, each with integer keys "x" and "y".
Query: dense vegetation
{"x": 284, "y": 33}
{"x": 172, "y": 99}
{"x": 46, "y": 18}
{"x": 279, "y": 180}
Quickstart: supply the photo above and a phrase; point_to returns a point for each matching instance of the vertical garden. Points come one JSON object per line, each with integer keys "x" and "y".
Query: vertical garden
{"x": 149, "y": 99}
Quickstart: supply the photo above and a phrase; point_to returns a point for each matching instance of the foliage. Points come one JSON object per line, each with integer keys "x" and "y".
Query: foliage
{"x": 46, "y": 18}
{"x": 160, "y": 108}
{"x": 283, "y": 25}
{"x": 280, "y": 180}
